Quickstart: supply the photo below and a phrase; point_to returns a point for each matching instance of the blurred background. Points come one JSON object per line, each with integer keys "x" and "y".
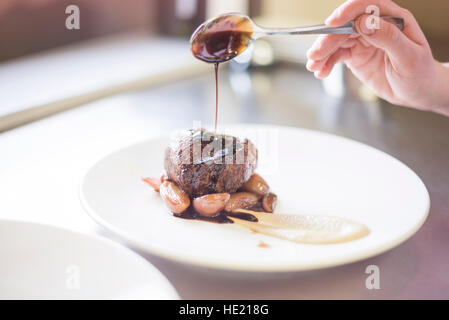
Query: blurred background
{"x": 29, "y": 26}
{"x": 123, "y": 46}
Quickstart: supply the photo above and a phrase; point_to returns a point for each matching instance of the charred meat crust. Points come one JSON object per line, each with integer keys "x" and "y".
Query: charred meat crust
{"x": 201, "y": 163}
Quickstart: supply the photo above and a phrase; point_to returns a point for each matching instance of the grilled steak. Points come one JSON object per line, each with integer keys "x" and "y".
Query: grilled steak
{"x": 201, "y": 163}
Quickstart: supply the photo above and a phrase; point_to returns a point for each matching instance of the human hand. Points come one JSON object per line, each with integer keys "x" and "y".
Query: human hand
{"x": 397, "y": 66}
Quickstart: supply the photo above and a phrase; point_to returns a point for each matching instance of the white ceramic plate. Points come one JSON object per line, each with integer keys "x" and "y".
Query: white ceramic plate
{"x": 311, "y": 172}
{"x": 43, "y": 262}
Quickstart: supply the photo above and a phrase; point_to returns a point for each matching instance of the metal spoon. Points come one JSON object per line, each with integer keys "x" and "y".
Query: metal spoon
{"x": 226, "y": 36}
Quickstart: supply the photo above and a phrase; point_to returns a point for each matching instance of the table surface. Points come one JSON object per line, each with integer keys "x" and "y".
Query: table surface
{"x": 41, "y": 165}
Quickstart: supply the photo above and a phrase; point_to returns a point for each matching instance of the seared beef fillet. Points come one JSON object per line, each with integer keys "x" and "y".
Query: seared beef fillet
{"x": 201, "y": 163}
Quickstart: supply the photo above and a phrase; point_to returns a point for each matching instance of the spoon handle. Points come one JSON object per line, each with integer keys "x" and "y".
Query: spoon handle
{"x": 348, "y": 28}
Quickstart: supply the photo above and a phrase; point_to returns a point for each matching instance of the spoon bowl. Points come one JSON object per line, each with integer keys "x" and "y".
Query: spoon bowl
{"x": 222, "y": 38}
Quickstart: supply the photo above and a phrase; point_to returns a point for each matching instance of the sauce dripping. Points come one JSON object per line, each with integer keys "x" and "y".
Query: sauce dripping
{"x": 220, "y": 40}
{"x": 216, "y": 97}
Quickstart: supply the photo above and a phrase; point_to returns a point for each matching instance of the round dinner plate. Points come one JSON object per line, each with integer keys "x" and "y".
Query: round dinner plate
{"x": 44, "y": 262}
{"x": 311, "y": 172}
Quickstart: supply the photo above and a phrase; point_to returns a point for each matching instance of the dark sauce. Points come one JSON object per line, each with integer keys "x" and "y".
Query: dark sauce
{"x": 216, "y": 97}
{"x": 221, "y": 217}
{"x": 216, "y": 41}
{"x": 220, "y": 40}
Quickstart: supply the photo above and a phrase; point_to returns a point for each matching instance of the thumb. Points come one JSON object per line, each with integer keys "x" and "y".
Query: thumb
{"x": 388, "y": 37}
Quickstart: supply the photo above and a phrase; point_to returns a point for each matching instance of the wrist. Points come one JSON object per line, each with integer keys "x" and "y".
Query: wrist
{"x": 440, "y": 97}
